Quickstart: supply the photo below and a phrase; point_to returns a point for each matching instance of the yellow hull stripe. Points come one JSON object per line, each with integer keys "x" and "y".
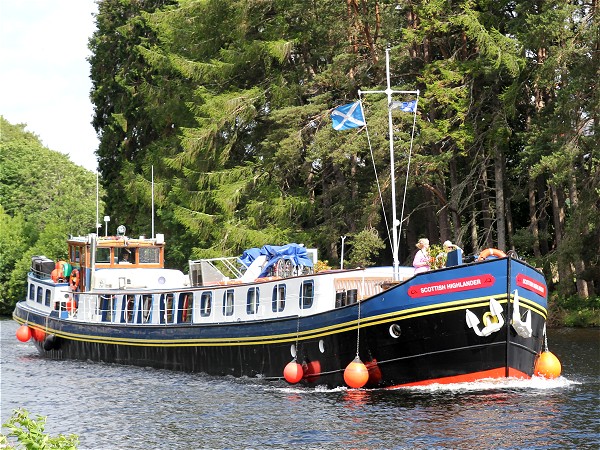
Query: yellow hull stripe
{"x": 292, "y": 337}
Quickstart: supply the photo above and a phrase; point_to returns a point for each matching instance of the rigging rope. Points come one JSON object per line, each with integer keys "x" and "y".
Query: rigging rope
{"x": 375, "y": 170}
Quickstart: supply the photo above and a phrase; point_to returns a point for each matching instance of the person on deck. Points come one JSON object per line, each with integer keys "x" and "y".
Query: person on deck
{"x": 421, "y": 260}
{"x": 449, "y": 246}
{"x": 442, "y": 257}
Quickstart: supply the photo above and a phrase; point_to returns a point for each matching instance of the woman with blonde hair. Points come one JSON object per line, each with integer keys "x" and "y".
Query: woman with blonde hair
{"x": 421, "y": 261}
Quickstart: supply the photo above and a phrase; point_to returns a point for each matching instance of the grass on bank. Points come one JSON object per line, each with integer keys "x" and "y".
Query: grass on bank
{"x": 574, "y": 312}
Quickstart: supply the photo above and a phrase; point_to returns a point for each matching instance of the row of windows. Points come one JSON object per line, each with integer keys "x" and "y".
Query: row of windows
{"x": 143, "y": 255}
{"x": 40, "y": 295}
{"x": 178, "y": 307}
{"x": 138, "y": 309}
{"x": 278, "y": 299}
{"x": 171, "y": 306}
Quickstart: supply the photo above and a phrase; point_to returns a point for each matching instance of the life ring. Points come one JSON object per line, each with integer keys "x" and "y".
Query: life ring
{"x": 74, "y": 280}
{"x": 491, "y": 252}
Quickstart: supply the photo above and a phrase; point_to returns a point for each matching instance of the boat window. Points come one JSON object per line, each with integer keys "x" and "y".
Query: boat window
{"x": 103, "y": 255}
{"x": 31, "y": 292}
{"x": 128, "y": 310}
{"x": 107, "y": 308}
{"x": 307, "y": 292}
{"x": 346, "y": 297}
{"x": 184, "y": 314}
{"x": 40, "y": 293}
{"x": 205, "y": 304}
{"x": 76, "y": 253}
{"x": 252, "y": 300}
{"x": 228, "y": 302}
{"x": 126, "y": 256}
{"x": 48, "y": 297}
{"x": 169, "y": 305}
{"x": 146, "y": 307}
{"x": 149, "y": 255}
{"x": 278, "y": 303}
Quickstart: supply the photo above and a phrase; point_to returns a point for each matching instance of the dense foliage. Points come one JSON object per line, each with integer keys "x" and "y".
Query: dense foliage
{"x": 229, "y": 102}
{"x": 44, "y": 197}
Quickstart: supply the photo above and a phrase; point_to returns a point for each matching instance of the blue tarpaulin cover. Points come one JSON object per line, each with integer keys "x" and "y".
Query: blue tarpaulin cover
{"x": 297, "y": 254}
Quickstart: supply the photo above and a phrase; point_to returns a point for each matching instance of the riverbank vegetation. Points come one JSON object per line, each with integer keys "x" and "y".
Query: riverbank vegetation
{"x": 25, "y": 432}
{"x": 225, "y": 106}
{"x": 44, "y": 197}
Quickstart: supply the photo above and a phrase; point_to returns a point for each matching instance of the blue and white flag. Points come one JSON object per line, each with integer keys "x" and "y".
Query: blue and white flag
{"x": 405, "y": 106}
{"x": 348, "y": 116}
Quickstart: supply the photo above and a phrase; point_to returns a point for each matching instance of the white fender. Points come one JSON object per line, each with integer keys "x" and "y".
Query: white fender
{"x": 523, "y": 328}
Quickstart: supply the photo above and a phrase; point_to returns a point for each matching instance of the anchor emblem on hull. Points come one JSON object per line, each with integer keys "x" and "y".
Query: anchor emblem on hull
{"x": 523, "y": 328}
{"x": 494, "y": 319}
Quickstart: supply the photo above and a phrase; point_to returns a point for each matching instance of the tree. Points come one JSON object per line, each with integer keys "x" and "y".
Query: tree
{"x": 44, "y": 197}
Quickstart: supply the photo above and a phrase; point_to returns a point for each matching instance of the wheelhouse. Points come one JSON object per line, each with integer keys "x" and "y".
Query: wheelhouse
{"x": 117, "y": 252}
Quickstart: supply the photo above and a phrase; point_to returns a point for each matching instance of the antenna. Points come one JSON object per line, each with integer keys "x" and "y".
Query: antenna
{"x": 98, "y": 224}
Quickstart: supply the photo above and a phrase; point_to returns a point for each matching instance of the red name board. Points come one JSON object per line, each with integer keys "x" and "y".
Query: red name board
{"x": 444, "y": 287}
{"x": 531, "y": 285}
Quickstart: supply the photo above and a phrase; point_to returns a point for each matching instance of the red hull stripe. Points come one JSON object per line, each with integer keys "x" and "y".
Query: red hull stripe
{"x": 468, "y": 377}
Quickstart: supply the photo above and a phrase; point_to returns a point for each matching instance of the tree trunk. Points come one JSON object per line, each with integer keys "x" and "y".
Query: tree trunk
{"x": 533, "y": 219}
{"x": 453, "y": 204}
{"x": 499, "y": 189}
{"x": 583, "y": 290}
{"x": 485, "y": 211}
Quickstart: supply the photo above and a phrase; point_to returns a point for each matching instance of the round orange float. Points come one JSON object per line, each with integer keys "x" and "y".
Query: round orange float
{"x": 547, "y": 365}
{"x": 293, "y": 372}
{"x": 356, "y": 374}
{"x": 23, "y": 333}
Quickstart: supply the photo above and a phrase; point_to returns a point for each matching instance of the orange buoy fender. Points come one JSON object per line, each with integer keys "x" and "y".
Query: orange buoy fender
{"x": 293, "y": 372}
{"x": 57, "y": 275}
{"x": 38, "y": 334}
{"x": 547, "y": 366}
{"x": 374, "y": 372}
{"x": 23, "y": 333}
{"x": 491, "y": 252}
{"x": 356, "y": 374}
{"x": 74, "y": 280}
{"x": 312, "y": 371}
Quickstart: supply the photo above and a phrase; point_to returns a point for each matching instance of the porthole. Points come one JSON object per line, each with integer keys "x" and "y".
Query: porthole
{"x": 322, "y": 346}
{"x": 395, "y": 331}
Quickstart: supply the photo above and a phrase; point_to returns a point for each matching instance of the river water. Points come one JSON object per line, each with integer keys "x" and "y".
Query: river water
{"x": 121, "y": 407}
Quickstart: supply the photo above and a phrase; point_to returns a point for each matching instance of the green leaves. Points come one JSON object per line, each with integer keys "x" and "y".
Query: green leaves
{"x": 29, "y": 432}
{"x": 43, "y": 198}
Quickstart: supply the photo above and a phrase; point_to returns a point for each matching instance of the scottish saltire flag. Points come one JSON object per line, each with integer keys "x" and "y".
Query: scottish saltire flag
{"x": 405, "y": 106}
{"x": 348, "y": 116}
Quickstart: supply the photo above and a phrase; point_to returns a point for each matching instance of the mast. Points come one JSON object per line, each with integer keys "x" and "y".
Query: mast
{"x": 152, "y": 201}
{"x": 396, "y": 224}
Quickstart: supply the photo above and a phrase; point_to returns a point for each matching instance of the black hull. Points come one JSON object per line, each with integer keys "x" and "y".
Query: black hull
{"x": 433, "y": 347}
